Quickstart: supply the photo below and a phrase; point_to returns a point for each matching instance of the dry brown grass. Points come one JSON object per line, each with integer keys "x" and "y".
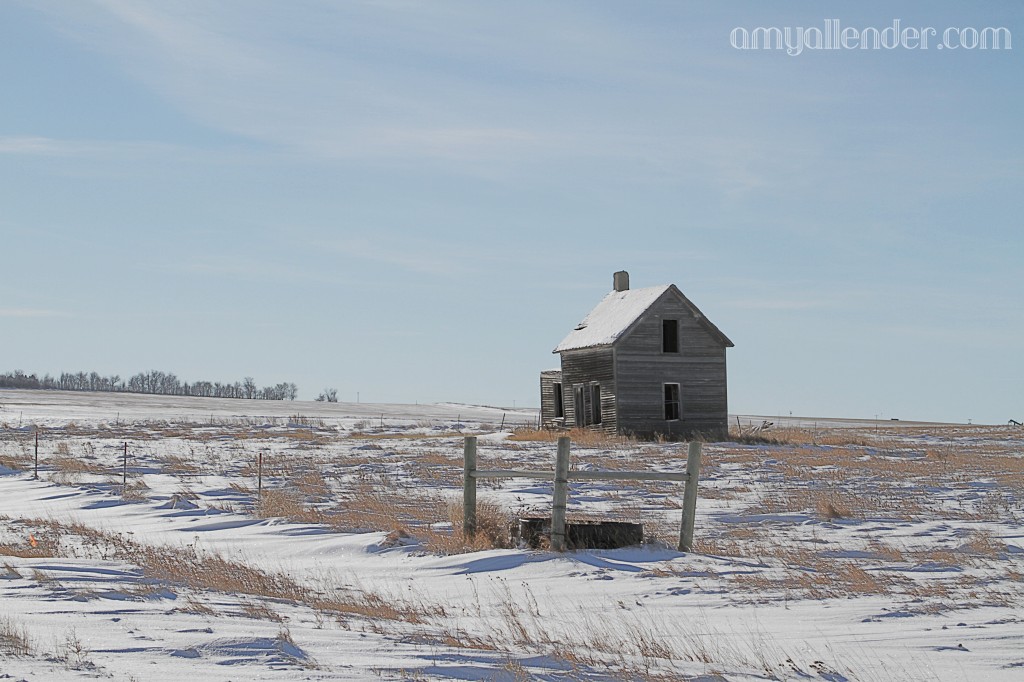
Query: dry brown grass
{"x": 898, "y": 478}
{"x": 16, "y": 461}
{"x": 362, "y": 435}
{"x": 14, "y": 638}
{"x": 493, "y": 524}
{"x": 434, "y": 468}
{"x": 192, "y": 604}
{"x": 982, "y": 542}
{"x": 286, "y": 504}
{"x": 75, "y": 465}
{"x": 273, "y": 465}
{"x": 803, "y": 573}
{"x": 260, "y": 611}
{"x": 788, "y": 435}
{"x": 430, "y": 518}
{"x": 31, "y": 548}
{"x": 181, "y": 466}
{"x": 181, "y": 565}
{"x": 377, "y": 504}
{"x": 886, "y": 552}
{"x": 306, "y": 436}
{"x": 833, "y": 502}
{"x": 134, "y": 491}
{"x": 312, "y": 483}
{"x": 587, "y": 438}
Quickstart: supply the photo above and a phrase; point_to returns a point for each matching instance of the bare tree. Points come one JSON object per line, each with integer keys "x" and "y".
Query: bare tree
{"x": 328, "y": 395}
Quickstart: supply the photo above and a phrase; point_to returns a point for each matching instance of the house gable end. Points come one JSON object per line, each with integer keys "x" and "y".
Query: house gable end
{"x": 700, "y": 317}
{"x": 660, "y": 307}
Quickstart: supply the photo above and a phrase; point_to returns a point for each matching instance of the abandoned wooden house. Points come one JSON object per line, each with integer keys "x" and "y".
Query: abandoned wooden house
{"x": 645, "y": 362}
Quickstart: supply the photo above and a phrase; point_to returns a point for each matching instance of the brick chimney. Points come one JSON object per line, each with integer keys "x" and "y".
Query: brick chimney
{"x": 620, "y": 281}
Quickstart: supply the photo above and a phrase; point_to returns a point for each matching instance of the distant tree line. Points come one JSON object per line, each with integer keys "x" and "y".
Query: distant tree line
{"x": 154, "y": 382}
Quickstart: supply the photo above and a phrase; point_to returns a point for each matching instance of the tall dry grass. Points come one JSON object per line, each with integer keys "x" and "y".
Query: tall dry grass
{"x": 587, "y": 438}
{"x": 286, "y": 504}
{"x": 789, "y": 435}
{"x": 14, "y": 638}
{"x": 187, "y": 566}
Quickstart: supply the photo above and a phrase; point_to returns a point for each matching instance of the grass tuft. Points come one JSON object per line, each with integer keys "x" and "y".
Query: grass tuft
{"x": 14, "y": 638}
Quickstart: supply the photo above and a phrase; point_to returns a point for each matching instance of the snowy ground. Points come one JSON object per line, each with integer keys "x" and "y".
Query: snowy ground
{"x": 846, "y": 550}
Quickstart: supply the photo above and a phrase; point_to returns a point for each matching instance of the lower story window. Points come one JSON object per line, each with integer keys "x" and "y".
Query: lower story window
{"x": 672, "y": 406}
{"x": 595, "y": 404}
{"x": 579, "y": 405}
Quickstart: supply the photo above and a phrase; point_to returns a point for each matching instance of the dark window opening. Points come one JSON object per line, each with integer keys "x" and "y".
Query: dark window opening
{"x": 672, "y": 406}
{"x": 559, "y": 406}
{"x": 670, "y": 336}
{"x": 595, "y": 404}
{"x": 579, "y": 407}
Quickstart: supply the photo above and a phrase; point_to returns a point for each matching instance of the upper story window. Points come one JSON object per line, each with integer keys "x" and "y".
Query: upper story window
{"x": 670, "y": 336}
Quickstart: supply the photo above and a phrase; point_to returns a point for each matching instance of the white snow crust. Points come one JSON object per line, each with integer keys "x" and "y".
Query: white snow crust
{"x": 646, "y": 612}
{"x": 611, "y": 318}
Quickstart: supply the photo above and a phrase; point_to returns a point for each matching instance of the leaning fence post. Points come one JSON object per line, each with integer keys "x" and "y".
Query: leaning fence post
{"x": 690, "y": 497}
{"x": 469, "y": 488}
{"x": 124, "y": 472}
{"x": 561, "y": 491}
{"x": 259, "y": 476}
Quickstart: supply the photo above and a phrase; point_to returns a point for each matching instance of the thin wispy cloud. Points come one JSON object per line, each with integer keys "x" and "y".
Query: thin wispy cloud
{"x": 79, "y": 149}
{"x": 333, "y": 103}
{"x": 42, "y": 146}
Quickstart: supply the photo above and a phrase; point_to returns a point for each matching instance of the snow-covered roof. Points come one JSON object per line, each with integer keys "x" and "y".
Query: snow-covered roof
{"x": 611, "y": 318}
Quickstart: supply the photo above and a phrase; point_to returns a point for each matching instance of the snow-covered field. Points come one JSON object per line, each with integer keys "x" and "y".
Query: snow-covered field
{"x": 844, "y": 550}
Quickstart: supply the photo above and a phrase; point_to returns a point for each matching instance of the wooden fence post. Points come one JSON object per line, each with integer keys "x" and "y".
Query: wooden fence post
{"x": 35, "y": 473}
{"x": 124, "y": 472}
{"x": 690, "y": 497}
{"x": 561, "y": 494}
{"x": 259, "y": 476}
{"x": 469, "y": 488}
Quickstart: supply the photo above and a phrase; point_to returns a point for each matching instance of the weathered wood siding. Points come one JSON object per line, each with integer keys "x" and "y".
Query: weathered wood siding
{"x": 642, "y": 369}
{"x": 548, "y": 409}
{"x": 584, "y": 368}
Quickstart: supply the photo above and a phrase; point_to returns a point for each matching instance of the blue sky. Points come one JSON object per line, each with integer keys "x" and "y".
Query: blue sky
{"x": 417, "y": 201}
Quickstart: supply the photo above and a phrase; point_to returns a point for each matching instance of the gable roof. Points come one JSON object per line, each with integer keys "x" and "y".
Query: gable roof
{"x": 611, "y": 318}
{"x": 618, "y": 311}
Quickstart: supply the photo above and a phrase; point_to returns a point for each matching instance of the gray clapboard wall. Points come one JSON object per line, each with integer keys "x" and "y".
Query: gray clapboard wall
{"x": 642, "y": 370}
{"x": 631, "y": 373}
